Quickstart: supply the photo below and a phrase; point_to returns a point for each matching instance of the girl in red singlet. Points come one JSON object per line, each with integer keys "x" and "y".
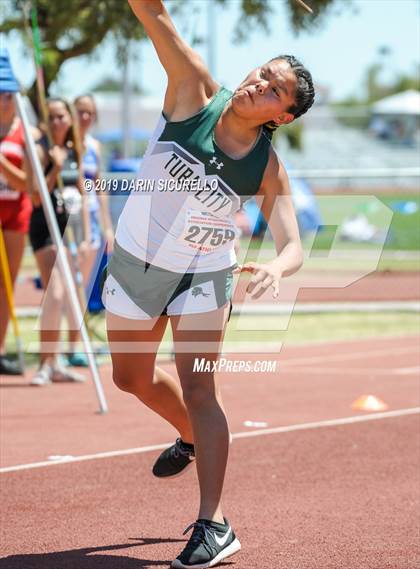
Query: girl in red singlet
{"x": 15, "y": 203}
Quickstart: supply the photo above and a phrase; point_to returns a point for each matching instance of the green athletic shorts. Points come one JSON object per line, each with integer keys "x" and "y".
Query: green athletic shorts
{"x": 138, "y": 290}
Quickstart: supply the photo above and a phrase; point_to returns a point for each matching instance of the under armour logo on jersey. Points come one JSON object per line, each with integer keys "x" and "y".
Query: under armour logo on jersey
{"x": 197, "y": 290}
{"x": 111, "y": 291}
{"x": 219, "y": 165}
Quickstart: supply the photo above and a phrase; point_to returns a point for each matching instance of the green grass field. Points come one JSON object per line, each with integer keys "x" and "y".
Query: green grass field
{"x": 324, "y": 251}
{"x": 402, "y": 229}
{"x": 403, "y": 232}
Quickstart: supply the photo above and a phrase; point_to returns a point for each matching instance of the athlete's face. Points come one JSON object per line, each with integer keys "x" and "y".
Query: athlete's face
{"x": 267, "y": 93}
{"x": 59, "y": 118}
{"x": 86, "y": 113}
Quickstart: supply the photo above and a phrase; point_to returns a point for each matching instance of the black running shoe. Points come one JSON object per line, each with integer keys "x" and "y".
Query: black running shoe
{"x": 9, "y": 366}
{"x": 175, "y": 460}
{"x": 208, "y": 545}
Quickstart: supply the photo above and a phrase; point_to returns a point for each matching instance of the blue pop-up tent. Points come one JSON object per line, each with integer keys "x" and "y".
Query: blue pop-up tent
{"x": 307, "y": 211}
{"x": 306, "y": 207}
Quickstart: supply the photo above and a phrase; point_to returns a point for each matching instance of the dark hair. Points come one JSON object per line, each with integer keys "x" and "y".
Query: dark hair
{"x": 305, "y": 92}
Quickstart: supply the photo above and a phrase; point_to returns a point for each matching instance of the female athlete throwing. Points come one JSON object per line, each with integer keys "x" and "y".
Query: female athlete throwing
{"x": 174, "y": 252}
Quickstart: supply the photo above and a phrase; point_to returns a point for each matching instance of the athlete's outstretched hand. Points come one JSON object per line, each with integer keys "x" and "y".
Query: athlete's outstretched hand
{"x": 265, "y": 275}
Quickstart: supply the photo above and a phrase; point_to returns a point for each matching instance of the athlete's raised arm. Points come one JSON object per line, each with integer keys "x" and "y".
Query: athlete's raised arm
{"x": 190, "y": 85}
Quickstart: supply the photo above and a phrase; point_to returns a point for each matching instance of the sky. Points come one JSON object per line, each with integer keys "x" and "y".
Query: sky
{"x": 337, "y": 54}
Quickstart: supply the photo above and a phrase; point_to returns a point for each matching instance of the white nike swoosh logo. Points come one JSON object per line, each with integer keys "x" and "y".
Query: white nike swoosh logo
{"x": 222, "y": 540}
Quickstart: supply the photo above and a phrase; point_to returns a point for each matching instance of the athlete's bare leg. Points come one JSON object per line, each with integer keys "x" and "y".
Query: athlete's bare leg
{"x": 86, "y": 263}
{"x": 52, "y": 303}
{"x": 203, "y": 400}
{"x": 133, "y": 345}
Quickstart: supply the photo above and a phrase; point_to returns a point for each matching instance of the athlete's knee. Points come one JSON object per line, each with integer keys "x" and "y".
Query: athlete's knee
{"x": 124, "y": 381}
{"x": 55, "y": 298}
{"x": 140, "y": 384}
{"x": 119, "y": 380}
{"x": 198, "y": 394}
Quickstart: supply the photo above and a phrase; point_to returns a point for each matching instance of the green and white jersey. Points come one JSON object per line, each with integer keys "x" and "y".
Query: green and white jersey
{"x": 180, "y": 216}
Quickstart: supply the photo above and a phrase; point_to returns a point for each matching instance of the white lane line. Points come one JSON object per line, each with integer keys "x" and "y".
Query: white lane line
{"x": 242, "y": 435}
{"x": 356, "y": 341}
{"x": 330, "y": 423}
{"x": 407, "y": 370}
{"x": 85, "y": 457}
{"x": 250, "y": 349}
{"x": 349, "y": 356}
{"x": 353, "y": 371}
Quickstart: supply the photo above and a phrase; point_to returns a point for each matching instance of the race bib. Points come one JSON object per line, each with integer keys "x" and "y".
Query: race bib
{"x": 205, "y": 232}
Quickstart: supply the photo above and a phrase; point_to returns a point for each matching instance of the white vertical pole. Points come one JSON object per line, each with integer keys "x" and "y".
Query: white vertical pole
{"x": 61, "y": 251}
{"x": 125, "y": 110}
{"x": 211, "y": 37}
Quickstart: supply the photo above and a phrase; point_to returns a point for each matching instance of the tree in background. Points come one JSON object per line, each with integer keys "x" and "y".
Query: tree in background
{"x": 381, "y": 80}
{"x": 72, "y": 28}
{"x": 377, "y": 89}
{"x": 68, "y": 29}
{"x": 111, "y": 85}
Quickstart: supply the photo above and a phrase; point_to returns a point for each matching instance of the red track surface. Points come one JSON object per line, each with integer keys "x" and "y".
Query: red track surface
{"x": 306, "y": 286}
{"x": 338, "y": 496}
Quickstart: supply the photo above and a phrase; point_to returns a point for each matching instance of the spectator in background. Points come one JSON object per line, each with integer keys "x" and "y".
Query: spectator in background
{"x": 100, "y": 219}
{"x": 98, "y": 202}
{"x": 63, "y": 159}
{"x": 15, "y": 203}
